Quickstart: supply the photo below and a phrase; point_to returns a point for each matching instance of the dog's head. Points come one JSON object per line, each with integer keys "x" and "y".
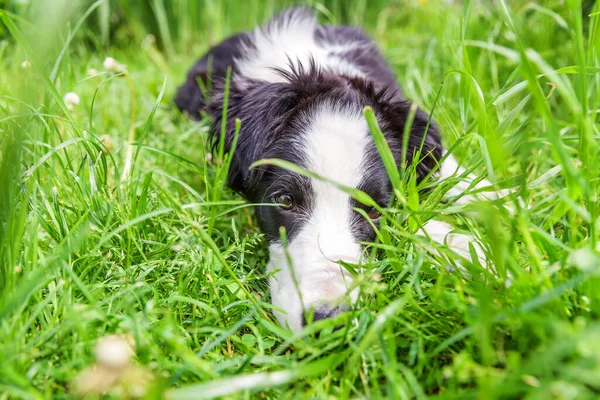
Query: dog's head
{"x": 316, "y": 121}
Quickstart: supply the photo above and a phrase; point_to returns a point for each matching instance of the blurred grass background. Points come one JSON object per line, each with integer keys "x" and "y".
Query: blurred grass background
{"x": 87, "y": 249}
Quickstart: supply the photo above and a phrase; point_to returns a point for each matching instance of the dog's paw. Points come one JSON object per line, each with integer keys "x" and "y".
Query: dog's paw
{"x": 445, "y": 234}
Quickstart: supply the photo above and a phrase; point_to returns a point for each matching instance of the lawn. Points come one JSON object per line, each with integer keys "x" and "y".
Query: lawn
{"x": 114, "y": 220}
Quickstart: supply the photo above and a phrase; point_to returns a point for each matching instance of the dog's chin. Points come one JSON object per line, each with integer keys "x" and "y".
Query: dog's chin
{"x": 300, "y": 290}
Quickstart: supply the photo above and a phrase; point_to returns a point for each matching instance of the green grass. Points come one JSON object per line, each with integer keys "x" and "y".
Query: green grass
{"x": 162, "y": 253}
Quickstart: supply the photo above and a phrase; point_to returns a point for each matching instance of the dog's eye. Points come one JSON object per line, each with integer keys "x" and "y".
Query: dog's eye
{"x": 285, "y": 201}
{"x": 374, "y": 214}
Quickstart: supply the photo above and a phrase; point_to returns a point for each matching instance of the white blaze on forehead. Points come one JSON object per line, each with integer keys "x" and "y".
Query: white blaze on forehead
{"x": 335, "y": 144}
{"x": 292, "y": 41}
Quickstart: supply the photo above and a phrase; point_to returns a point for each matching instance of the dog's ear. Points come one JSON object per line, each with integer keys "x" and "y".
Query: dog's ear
{"x": 424, "y": 143}
{"x": 190, "y": 97}
{"x": 212, "y": 66}
{"x": 263, "y": 110}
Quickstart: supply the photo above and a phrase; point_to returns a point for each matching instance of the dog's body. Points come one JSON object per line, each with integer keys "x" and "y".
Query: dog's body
{"x": 299, "y": 89}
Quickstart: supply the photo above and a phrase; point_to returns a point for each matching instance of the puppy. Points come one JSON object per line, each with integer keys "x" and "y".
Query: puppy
{"x": 299, "y": 89}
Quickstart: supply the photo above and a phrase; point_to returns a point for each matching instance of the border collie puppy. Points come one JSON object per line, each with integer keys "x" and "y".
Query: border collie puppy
{"x": 299, "y": 89}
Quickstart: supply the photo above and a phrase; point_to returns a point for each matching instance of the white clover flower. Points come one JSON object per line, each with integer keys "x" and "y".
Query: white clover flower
{"x": 113, "y": 373}
{"x": 113, "y": 351}
{"x": 108, "y": 144}
{"x": 110, "y": 64}
{"x": 148, "y": 41}
{"x": 25, "y": 64}
{"x": 71, "y": 100}
{"x": 92, "y": 72}
{"x": 18, "y": 269}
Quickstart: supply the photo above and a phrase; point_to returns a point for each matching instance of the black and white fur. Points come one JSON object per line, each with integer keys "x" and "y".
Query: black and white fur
{"x": 299, "y": 89}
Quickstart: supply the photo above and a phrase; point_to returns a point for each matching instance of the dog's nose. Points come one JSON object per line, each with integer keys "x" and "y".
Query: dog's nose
{"x": 323, "y": 312}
